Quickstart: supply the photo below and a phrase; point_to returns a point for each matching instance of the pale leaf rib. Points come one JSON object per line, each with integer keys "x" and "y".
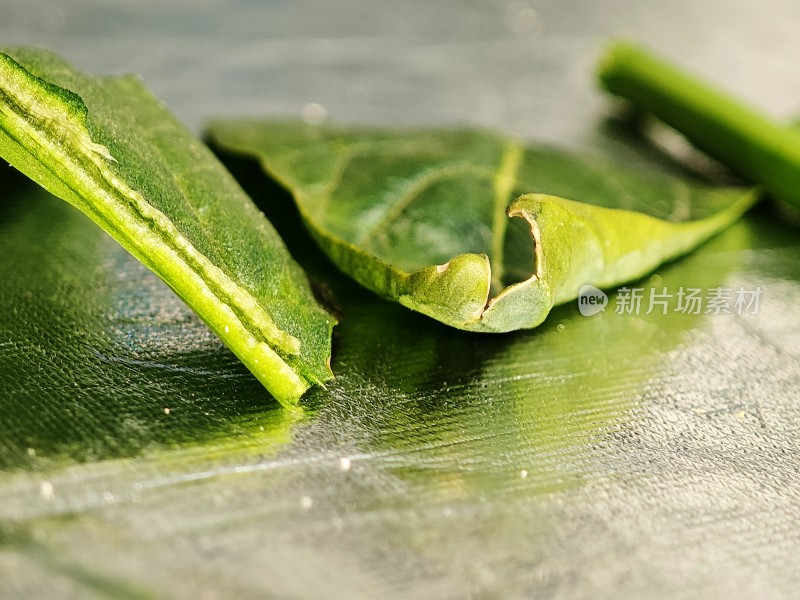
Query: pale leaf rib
{"x": 503, "y": 184}
{"x": 414, "y": 190}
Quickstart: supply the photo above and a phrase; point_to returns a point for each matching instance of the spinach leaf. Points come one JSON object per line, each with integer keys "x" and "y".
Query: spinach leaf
{"x": 109, "y": 148}
{"x": 428, "y": 218}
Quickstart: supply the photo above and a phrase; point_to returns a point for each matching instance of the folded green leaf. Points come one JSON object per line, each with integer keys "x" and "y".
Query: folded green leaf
{"x": 423, "y": 217}
{"x": 108, "y": 147}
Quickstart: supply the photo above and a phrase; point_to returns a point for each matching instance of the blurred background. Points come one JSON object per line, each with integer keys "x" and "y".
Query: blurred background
{"x": 519, "y": 65}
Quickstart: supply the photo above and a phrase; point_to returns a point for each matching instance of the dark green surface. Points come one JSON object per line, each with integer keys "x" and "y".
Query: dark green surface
{"x": 660, "y": 452}
{"x": 95, "y": 347}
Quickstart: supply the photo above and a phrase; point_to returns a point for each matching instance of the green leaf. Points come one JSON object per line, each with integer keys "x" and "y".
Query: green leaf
{"x": 109, "y": 148}
{"x": 423, "y": 217}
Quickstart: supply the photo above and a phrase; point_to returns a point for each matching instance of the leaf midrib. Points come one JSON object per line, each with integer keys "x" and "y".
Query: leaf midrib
{"x": 81, "y": 157}
{"x": 506, "y": 178}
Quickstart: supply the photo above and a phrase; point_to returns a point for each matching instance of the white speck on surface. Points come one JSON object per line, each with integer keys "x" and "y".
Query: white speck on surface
{"x": 522, "y": 19}
{"x": 523, "y": 474}
{"x": 167, "y": 410}
{"x": 46, "y": 490}
{"x": 442, "y": 268}
{"x": 31, "y": 452}
{"x": 313, "y": 113}
{"x": 344, "y": 463}
{"x": 227, "y": 329}
{"x": 306, "y": 502}
{"x": 560, "y": 327}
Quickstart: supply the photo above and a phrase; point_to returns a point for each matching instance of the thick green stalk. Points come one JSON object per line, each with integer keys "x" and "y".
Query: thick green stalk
{"x": 755, "y": 146}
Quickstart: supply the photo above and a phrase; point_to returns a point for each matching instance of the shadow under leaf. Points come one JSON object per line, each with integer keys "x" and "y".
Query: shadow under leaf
{"x": 99, "y": 358}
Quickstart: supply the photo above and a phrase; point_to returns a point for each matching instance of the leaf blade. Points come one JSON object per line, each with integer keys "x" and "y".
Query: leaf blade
{"x": 116, "y": 154}
{"x": 441, "y": 250}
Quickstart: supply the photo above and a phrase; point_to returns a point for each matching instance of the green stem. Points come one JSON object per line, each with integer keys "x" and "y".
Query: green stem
{"x": 752, "y": 144}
